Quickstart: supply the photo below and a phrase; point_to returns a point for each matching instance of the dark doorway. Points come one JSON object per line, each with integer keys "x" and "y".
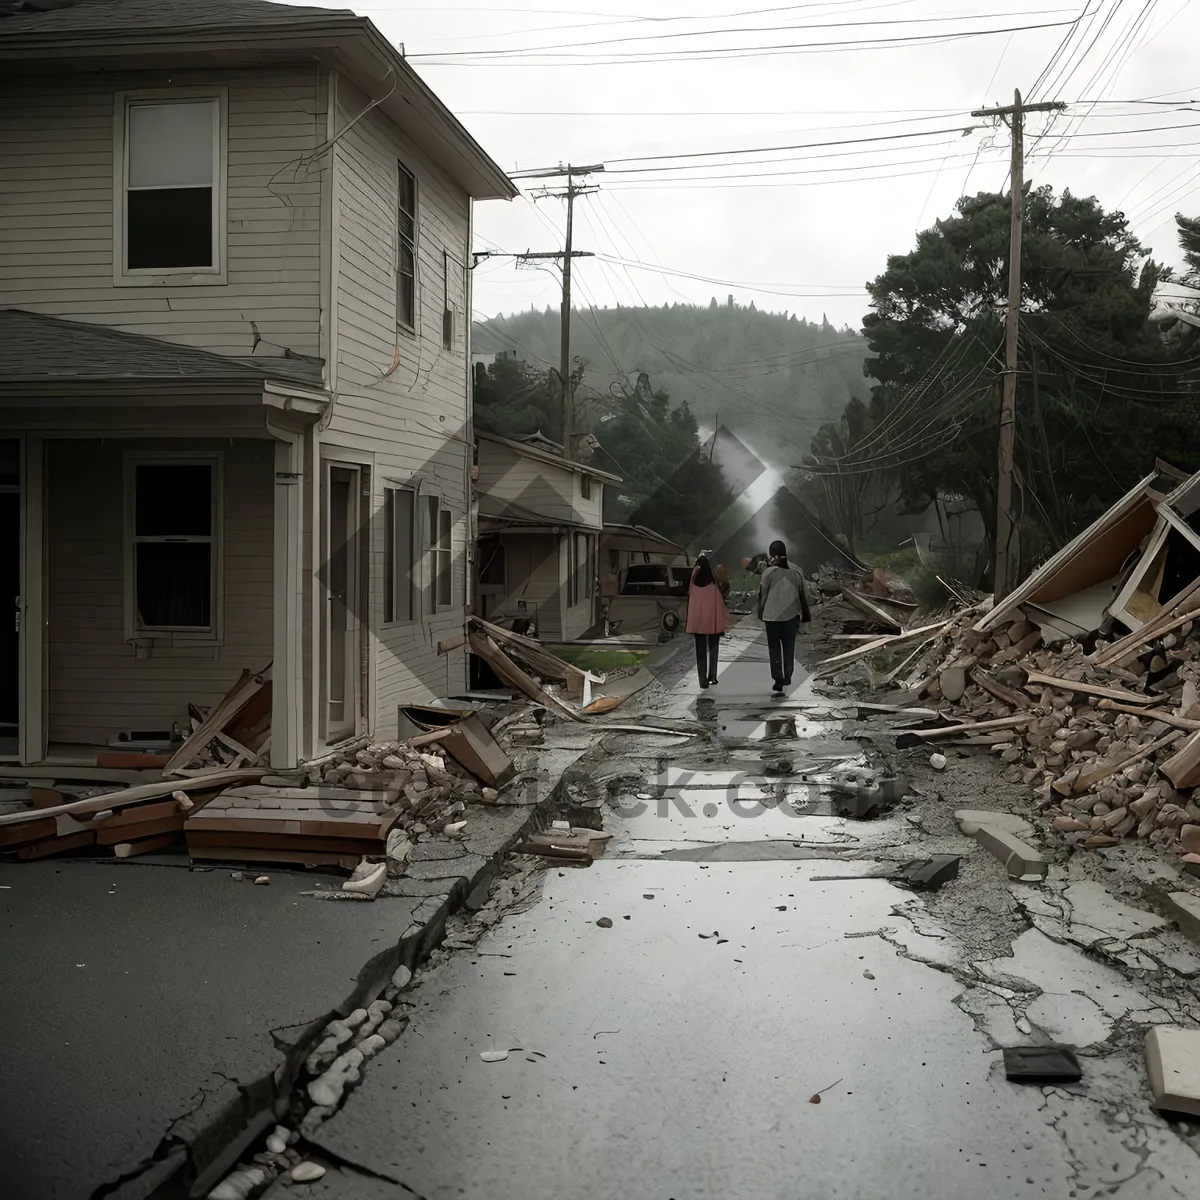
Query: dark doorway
{"x": 10, "y": 599}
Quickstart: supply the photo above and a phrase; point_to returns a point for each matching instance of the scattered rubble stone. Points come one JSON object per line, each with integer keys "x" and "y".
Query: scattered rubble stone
{"x": 307, "y": 1172}
{"x": 1019, "y": 859}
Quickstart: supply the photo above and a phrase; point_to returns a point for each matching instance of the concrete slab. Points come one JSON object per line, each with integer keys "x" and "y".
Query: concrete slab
{"x": 1020, "y": 860}
{"x": 655, "y": 1073}
{"x": 134, "y": 996}
{"x": 1173, "y": 1069}
{"x": 1184, "y": 909}
{"x": 970, "y": 819}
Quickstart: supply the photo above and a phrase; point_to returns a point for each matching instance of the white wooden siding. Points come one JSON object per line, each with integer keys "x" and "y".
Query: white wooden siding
{"x": 96, "y": 687}
{"x": 403, "y": 396}
{"x": 56, "y": 212}
{"x": 544, "y": 488}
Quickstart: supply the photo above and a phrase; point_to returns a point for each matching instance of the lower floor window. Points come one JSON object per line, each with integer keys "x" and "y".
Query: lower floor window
{"x": 173, "y": 523}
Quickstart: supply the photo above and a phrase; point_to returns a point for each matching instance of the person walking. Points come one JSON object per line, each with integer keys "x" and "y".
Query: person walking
{"x": 706, "y": 618}
{"x": 782, "y": 605}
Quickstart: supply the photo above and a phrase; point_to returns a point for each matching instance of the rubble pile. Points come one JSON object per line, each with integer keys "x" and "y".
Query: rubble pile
{"x": 1085, "y": 682}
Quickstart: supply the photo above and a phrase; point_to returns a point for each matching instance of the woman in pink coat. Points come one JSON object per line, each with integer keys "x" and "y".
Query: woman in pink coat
{"x": 706, "y": 619}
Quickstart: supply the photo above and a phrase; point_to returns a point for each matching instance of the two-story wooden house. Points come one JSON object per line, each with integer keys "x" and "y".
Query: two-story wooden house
{"x": 540, "y": 518}
{"x": 234, "y": 370}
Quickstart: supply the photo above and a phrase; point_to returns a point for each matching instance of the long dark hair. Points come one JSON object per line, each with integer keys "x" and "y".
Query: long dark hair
{"x": 778, "y": 551}
{"x": 703, "y": 576}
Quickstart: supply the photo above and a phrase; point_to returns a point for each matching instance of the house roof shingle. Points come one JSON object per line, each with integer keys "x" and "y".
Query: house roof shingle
{"x": 112, "y": 16}
{"x": 41, "y": 349}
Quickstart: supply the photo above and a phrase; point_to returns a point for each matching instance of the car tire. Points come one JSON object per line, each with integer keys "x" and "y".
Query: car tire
{"x": 670, "y": 622}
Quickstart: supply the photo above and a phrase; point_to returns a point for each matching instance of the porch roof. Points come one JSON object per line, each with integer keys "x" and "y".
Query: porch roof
{"x": 35, "y": 348}
{"x": 504, "y": 514}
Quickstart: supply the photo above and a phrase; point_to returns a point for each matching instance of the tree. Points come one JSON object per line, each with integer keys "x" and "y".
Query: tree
{"x": 669, "y": 484}
{"x": 1189, "y": 241}
{"x": 513, "y": 399}
{"x": 1098, "y": 396}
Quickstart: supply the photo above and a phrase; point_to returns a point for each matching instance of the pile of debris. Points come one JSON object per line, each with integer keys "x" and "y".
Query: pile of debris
{"x": 1085, "y": 680}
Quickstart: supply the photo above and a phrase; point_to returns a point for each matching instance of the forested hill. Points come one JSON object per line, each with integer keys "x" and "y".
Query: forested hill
{"x": 772, "y": 378}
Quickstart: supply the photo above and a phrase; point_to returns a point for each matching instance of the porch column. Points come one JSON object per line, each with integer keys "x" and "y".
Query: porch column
{"x": 32, "y": 642}
{"x": 287, "y": 686}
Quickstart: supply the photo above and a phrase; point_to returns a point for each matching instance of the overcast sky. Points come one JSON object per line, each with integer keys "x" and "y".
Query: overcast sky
{"x": 798, "y": 229}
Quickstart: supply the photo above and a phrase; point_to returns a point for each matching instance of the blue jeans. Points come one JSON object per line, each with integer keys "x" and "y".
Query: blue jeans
{"x": 781, "y": 645}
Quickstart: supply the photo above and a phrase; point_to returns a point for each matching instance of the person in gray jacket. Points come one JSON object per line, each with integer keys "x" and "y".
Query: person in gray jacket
{"x": 782, "y": 605}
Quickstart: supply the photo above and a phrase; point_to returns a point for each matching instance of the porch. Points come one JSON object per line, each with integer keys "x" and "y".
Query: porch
{"x": 164, "y": 520}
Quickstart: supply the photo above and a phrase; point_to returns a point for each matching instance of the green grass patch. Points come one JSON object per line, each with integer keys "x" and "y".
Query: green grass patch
{"x": 595, "y": 659}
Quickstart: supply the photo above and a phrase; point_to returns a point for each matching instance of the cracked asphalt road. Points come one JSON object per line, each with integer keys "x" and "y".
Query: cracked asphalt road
{"x": 676, "y": 1054}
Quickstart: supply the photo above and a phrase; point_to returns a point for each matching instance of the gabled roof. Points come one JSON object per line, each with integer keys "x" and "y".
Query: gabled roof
{"x": 40, "y": 349}
{"x": 133, "y": 34}
{"x": 546, "y": 456}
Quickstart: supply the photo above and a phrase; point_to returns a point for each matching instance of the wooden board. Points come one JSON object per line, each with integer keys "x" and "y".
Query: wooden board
{"x": 141, "y": 814}
{"x": 58, "y": 845}
{"x": 1040, "y": 678}
{"x": 873, "y": 611}
{"x": 308, "y": 858}
{"x": 249, "y": 830}
{"x": 221, "y": 714}
{"x": 311, "y": 797}
{"x": 147, "y": 845}
{"x": 30, "y": 831}
{"x": 1183, "y": 767}
{"x": 282, "y": 841}
{"x": 135, "y": 795}
{"x": 126, "y": 833}
{"x": 64, "y": 773}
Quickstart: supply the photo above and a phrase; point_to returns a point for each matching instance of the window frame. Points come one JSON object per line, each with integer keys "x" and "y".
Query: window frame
{"x": 156, "y": 276}
{"x": 392, "y": 565}
{"x": 175, "y": 635}
{"x": 402, "y": 325}
{"x": 434, "y": 554}
{"x": 585, "y": 486}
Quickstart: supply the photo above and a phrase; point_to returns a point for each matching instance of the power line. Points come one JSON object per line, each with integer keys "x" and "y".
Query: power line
{"x": 530, "y": 58}
{"x": 702, "y": 33}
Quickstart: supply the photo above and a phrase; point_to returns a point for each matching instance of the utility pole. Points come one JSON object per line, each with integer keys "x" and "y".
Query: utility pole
{"x": 1007, "y": 556}
{"x": 566, "y": 254}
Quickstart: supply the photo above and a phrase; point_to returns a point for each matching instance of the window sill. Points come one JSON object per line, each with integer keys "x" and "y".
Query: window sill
{"x": 170, "y": 279}
{"x": 408, "y": 331}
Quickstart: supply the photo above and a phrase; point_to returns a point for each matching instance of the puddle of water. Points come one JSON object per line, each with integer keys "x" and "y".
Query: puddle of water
{"x": 769, "y": 727}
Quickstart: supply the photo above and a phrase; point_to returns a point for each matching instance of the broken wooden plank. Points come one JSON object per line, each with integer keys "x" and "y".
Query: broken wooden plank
{"x": 1043, "y": 679}
{"x": 125, "y": 833}
{"x": 1182, "y": 769}
{"x": 200, "y": 839}
{"x": 1000, "y": 691}
{"x": 247, "y": 854}
{"x": 1183, "y": 608}
{"x": 147, "y": 845}
{"x": 57, "y": 845}
{"x": 508, "y": 670}
{"x": 1151, "y": 714}
{"x": 871, "y": 610}
{"x": 885, "y": 642}
{"x": 1088, "y": 779}
{"x": 135, "y": 795}
{"x": 230, "y": 705}
{"x": 914, "y": 736}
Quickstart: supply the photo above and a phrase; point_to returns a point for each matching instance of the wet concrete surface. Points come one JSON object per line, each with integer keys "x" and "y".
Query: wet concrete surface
{"x": 676, "y": 1053}
{"x": 135, "y": 997}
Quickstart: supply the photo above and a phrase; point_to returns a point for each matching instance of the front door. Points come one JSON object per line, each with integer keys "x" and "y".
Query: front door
{"x": 342, "y": 633}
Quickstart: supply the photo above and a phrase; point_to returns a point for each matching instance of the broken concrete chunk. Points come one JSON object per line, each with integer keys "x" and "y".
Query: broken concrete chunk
{"x": 928, "y": 874}
{"x": 277, "y": 1143}
{"x": 1173, "y": 1068}
{"x": 1019, "y": 859}
{"x": 307, "y": 1172}
{"x": 937, "y": 761}
{"x": 970, "y": 819}
{"x": 401, "y": 978}
{"x": 1184, "y": 909}
{"x": 367, "y": 879}
{"x": 238, "y": 1184}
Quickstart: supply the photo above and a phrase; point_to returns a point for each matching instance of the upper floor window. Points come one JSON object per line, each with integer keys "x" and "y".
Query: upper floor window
{"x": 168, "y": 211}
{"x": 406, "y": 249}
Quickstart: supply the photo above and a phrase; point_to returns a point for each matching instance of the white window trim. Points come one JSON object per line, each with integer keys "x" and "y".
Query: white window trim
{"x": 429, "y": 553}
{"x": 150, "y": 277}
{"x": 215, "y": 634}
{"x": 413, "y": 567}
{"x": 403, "y": 326}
